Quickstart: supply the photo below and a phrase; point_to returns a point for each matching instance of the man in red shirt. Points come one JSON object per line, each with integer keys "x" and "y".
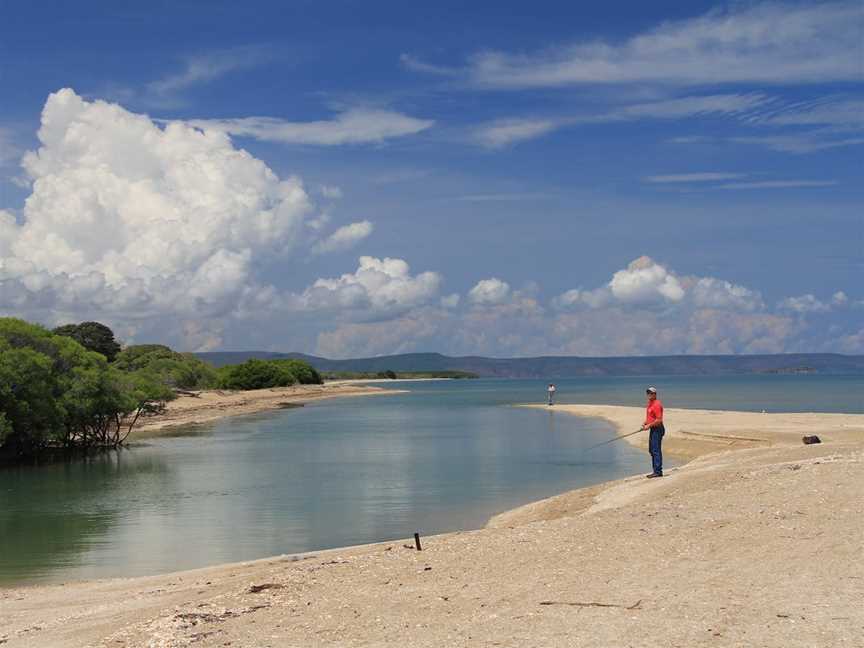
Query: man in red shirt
{"x": 654, "y": 423}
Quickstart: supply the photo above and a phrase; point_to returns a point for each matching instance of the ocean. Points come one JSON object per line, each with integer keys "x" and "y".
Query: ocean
{"x": 444, "y": 457}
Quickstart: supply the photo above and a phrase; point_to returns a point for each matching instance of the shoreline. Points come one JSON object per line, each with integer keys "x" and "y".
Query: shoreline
{"x": 209, "y": 406}
{"x": 680, "y": 557}
{"x": 719, "y": 432}
{"x": 363, "y": 381}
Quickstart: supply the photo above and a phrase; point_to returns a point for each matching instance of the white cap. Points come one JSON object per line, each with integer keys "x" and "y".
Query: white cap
{"x": 652, "y": 390}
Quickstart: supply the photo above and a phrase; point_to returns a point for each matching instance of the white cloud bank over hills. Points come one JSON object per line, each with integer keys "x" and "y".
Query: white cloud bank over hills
{"x": 645, "y": 308}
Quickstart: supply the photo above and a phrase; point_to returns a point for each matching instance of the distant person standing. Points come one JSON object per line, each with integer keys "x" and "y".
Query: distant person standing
{"x": 654, "y": 423}
{"x": 551, "y": 391}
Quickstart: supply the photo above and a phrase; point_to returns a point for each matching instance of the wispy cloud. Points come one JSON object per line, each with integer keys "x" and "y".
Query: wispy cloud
{"x": 798, "y": 143}
{"x": 807, "y": 142}
{"x": 839, "y": 114}
{"x": 209, "y": 66}
{"x": 506, "y": 132}
{"x": 503, "y": 197}
{"x": 353, "y": 126}
{"x": 501, "y": 133}
{"x": 779, "y": 184}
{"x": 170, "y": 91}
{"x": 734, "y": 104}
{"x": 808, "y": 126}
{"x": 416, "y": 65}
{"x": 770, "y": 42}
{"x": 344, "y": 238}
{"x": 692, "y": 177}
{"x": 718, "y": 180}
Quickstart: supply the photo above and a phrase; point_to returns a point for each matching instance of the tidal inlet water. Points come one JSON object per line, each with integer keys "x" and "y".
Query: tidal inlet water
{"x": 444, "y": 457}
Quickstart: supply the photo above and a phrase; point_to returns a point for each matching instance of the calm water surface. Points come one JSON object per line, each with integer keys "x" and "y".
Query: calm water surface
{"x": 444, "y": 457}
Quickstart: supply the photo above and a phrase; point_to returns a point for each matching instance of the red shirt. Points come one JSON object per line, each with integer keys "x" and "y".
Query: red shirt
{"x": 654, "y": 411}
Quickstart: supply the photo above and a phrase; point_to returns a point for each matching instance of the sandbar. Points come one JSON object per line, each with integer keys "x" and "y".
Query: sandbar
{"x": 196, "y": 408}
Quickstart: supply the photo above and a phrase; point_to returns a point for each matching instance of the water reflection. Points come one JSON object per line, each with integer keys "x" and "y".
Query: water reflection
{"x": 51, "y": 516}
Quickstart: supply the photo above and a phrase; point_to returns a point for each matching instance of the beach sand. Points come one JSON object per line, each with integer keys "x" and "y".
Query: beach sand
{"x": 197, "y": 408}
{"x": 757, "y": 543}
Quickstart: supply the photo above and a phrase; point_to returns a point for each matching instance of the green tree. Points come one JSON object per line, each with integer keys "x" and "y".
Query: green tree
{"x": 93, "y": 336}
{"x": 255, "y": 374}
{"x": 261, "y": 374}
{"x": 56, "y": 393}
{"x": 303, "y": 372}
{"x": 176, "y": 370}
{"x": 5, "y": 428}
{"x": 149, "y": 396}
{"x": 31, "y": 414}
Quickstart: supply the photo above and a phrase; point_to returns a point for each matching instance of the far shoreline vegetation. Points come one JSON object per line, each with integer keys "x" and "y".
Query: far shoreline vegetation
{"x": 75, "y": 390}
{"x": 389, "y": 374}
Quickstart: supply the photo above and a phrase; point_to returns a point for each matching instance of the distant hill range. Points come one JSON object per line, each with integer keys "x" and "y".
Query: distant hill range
{"x": 571, "y": 366}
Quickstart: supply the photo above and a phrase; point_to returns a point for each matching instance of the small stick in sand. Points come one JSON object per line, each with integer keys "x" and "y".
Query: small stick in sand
{"x": 417, "y": 542}
{"x": 635, "y": 606}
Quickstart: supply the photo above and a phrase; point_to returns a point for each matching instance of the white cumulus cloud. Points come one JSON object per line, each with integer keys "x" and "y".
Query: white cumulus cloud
{"x": 652, "y": 310}
{"x": 378, "y": 287}
{"x": 645, "y": 281}
{"x": 804, "y": 304}
{"x": 130, "y": 220}
{"x": 489, "y": 291}
{"x": 839, "y": 298}
{"x": 709, "y": 292}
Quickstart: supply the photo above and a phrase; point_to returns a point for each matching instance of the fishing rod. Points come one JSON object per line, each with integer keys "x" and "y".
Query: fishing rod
{"x": 623, "y": 436}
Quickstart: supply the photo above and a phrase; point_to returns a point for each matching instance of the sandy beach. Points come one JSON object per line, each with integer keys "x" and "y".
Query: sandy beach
{"x": 755, "y": 542}
{"x": 692, "y": 433}
{"x": 197, "y": 408}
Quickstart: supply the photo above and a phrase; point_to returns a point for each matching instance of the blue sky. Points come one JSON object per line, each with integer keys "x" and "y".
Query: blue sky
{"x": 578, "y": 178}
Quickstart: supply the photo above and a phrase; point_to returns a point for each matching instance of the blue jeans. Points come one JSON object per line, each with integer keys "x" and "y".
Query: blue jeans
{"x": 655, "y": 438}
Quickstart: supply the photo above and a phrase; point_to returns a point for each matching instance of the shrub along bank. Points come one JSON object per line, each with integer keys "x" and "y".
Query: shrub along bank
{"x": 58, "y": 390}
{"x": 260, "y": 374}
{"x": 56, "y": 394}
{"x": 174, "y": 369}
